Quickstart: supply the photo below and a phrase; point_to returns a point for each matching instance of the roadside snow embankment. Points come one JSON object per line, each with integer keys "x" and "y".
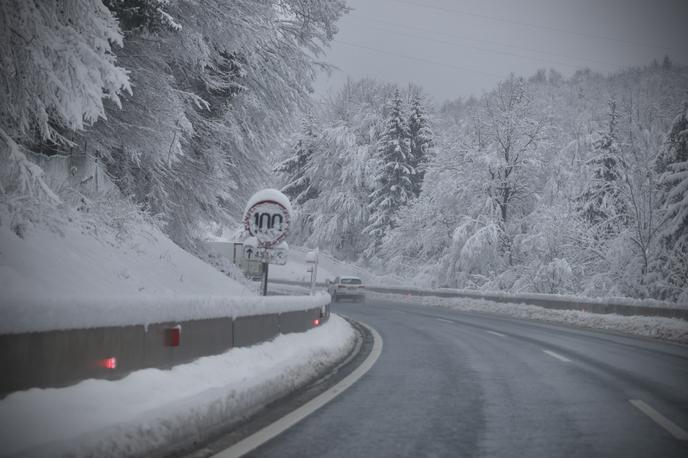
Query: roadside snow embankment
{"x": 153, "y": 408}
{"x": 671, "y": 329}
{"x": 79, "y": 277}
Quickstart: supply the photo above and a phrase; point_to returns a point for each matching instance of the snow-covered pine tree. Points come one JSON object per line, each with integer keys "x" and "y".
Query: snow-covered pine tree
{"x": 295, "y": 168}
{"x": 677, "y": 142}
{"x": 335, "y": 218}
{"x": 675, "y": 230}
{"x": 394, "y": 177}
{"x": 142, "y": 15}
{"x": 675, "y": 183}
{"x": 211, "y": 95}
{"x": 420, "y": 136}
{"x": 601, "y": 204}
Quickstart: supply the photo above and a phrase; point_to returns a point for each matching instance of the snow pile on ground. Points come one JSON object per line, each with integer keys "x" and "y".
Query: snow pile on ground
{"x": 568, "y": 298}
{"x": 656, "y": 327}
{"x": 75, "y": 261}
{"x": 152, "y": 408}
{"x": 78, "y": 275}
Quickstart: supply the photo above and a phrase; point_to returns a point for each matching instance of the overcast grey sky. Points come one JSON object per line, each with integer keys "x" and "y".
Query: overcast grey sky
{"x": 460, "y": 47}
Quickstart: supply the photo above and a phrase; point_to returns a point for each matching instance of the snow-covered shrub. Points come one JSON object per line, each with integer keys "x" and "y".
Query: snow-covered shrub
{"x": 473, "y": 256}
{"x": 554, "y": 278}
{"x": 480, "y": 252}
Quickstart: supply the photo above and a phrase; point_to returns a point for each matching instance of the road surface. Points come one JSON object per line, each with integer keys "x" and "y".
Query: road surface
{"x": 454, "y": 384}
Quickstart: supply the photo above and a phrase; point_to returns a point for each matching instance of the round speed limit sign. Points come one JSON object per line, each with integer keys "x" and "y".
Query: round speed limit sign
{"x": 267, "y": 217}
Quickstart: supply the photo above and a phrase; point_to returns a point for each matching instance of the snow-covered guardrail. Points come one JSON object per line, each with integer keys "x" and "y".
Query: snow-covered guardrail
{"x": 552, "y": 301}
{"x": 627, "y": 307}
{"x": 109, "y": 343}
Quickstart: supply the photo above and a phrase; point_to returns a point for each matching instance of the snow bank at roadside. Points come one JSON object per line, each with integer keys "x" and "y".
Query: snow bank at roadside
{"x": 74, "y": 275}
{"x": 151, "y": 408}
{"x": 79, "y": 259}
{"x": 671, "y": 329}
{"x": 75, "y": 279}
{"x": 568, "y": 298}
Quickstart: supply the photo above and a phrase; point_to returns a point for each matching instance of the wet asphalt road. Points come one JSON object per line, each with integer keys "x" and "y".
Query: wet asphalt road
{"x": 454, "y": 384}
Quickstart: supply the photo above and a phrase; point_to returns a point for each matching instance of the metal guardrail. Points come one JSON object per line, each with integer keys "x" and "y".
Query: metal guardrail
{"x": 62, "y": 358}
{"x": 549, "y": 301}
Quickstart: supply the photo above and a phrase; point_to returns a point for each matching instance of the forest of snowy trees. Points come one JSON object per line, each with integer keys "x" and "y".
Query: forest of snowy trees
{"x": 548, "y": 184}
{"x": 182, "y": 109}
{"x": 178, "y": 102}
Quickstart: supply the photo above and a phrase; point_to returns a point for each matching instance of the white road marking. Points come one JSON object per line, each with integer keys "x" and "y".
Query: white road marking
{"x": 495, "y": 333}
{"x": 444, "y": 321}
{"x": 557, "y": 356}
{"x": 673, "y": 429}
{"x": 258, "y": 438}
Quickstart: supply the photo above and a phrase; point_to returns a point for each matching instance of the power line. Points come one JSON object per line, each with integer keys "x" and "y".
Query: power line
{"x": 489, "y": 42}
{"x": 530, "y": 24}
{"x": 418, "y": 59}
{"x": 494, "y": 51}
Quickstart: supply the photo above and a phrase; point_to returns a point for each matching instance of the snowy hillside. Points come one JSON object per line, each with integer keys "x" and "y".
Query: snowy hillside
{"x": 72, "y": 263}
{"x": 78, "y": 268}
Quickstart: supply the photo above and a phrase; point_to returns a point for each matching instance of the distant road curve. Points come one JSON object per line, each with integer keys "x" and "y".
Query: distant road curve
{"x": 451, "y": 383}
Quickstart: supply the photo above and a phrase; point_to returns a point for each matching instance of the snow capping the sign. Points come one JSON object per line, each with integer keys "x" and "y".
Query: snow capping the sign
{"x": 269, "y": 194}
{"x": 154, "y": 408}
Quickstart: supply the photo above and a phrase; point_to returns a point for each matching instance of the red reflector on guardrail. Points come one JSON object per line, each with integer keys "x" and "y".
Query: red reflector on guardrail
{"x": 173, "y": 336}
{"x": 108, "y": 363}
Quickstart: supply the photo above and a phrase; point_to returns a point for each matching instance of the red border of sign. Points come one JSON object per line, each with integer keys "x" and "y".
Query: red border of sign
{"x": 247, "y": 225}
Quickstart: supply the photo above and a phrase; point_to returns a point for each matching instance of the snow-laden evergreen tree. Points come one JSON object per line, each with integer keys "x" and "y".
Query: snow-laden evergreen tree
{"x": 342, "y": 169}
{"x": 420, "y": 136}
{"x": 394, "y": 187}
{"x": 338, "y": 214}
{"x": 675, "y": 229}
{"x": 57, "y": 65}
{"x": 215, "y": 86}
{"x": 296, "y": 168}
{"x": 142, "y": 15}
{"x": 677, "y": 142}
{"x": 601, "y": 204}
{"x": 674, "y": 182}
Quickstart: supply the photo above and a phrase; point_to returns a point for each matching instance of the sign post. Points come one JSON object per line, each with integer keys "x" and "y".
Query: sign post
{"x": 312, "y": 258}
{"x": 264, "y": 282}
{"x": 267, "y": 217}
